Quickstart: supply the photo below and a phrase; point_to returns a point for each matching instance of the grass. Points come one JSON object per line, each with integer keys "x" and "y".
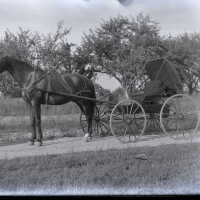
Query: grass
{"x": 10, "y": 124}
{"x": 169, "y": 169}
{"x": 17, "y": 129}
{"x": 17, "y": 107}
{"x": 57, "y": 121}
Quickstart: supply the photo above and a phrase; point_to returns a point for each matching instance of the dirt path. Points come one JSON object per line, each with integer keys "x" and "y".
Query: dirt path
{"x": 69, "y": 145}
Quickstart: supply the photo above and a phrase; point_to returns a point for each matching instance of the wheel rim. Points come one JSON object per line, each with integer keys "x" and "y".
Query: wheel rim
{"x": 83, "y": 123}
{"x": 153, "y": 124}
{"x": 103, "y": 119}
{"x": 100, "y": 121}
{"x": 179, "y": 117}
{"x": 128, "y": 121}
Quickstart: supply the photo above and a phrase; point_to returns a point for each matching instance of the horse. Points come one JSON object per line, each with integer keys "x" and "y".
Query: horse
{"x": 39, "y": 88}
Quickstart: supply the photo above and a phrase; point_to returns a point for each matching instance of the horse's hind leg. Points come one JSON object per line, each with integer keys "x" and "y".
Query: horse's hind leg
{"x": 89, "y": 115}
{"x": 38, "y": 123}
{"x": 84, "y": 110}
{"x": 32, "y": 125}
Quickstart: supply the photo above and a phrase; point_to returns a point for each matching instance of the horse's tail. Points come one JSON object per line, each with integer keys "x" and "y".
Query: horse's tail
{"x": 88, "y": 85}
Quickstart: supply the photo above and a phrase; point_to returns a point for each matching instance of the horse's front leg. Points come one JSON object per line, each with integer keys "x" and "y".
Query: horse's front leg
{"x": 32, "y": 124}
{"x": 90, "y": 127}
{"x": 37, "y": 108}
{"x": 88, "y": 136}
{"x": 90, "y": 112}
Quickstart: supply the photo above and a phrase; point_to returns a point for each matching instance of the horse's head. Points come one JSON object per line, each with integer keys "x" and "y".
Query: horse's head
{"x": 4, "y": 64}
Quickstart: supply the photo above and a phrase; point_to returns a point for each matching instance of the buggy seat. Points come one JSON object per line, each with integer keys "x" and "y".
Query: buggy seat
{"x": 153, "y": 89}
{"x": 153, "y": 92}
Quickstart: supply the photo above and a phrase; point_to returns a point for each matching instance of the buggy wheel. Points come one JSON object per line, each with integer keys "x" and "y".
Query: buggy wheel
{"x": 179, "y": 117}
{"x": 83, "y": 123}
{"x": 153, "y": 124}
{"x": 100, "y": 121}
{"x": 128, "y": 121}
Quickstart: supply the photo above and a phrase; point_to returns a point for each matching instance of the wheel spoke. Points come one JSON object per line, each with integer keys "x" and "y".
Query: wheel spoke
{"x": 183, "y": 117}
{"x": 117, "y": 117}
{"x": 125, "y": 131}
{"x": 103, "y": 127}
{"x": 125, "y": 127}
{"x": 83, "y": 123}
{"x": 136, "y": 109}
{"x": 131, "y": 108}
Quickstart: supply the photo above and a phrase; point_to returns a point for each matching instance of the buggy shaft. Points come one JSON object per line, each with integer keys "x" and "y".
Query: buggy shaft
{"x": 75, "y": 96}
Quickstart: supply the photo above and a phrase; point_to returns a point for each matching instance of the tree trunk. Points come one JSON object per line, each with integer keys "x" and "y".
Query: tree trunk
{"x": 191, "y": 89}
{"x": 125, "y": 92}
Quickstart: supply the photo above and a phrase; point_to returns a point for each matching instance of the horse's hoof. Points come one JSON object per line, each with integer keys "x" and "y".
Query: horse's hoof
{"x": 31, "y": 143}
{"x": 87, "y": 138}
{"x": 39, "y": 143}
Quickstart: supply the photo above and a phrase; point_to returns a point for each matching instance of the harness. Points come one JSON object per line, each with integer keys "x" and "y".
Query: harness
{"x": 65, "y": 83}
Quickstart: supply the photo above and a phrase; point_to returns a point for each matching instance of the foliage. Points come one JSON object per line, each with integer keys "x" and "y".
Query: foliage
{"x": 119, "y": 47}
{"x": 184, "y": 49}
{"x": 51, "y": 50}
{"x": 6, "y": 83}
{"x": 122, "y": 46}
{"x": 41, "y": 51}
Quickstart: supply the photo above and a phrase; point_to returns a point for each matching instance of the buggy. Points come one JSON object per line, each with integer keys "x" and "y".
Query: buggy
{"x": 162, "y": 106}
{"x": 162, "y": 102}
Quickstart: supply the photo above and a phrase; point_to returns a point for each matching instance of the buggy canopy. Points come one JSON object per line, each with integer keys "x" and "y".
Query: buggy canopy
{"x": 168, "y": 73}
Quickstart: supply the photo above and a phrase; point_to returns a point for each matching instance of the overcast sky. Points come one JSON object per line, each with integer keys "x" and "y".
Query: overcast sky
{"x": 174, "y": 16}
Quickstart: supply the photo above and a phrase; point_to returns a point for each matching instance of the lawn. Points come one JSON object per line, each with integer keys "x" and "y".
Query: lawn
{"x": 18, "y": 107}
{"x": 57, "y": 121}
{"x": 169, "y": 169}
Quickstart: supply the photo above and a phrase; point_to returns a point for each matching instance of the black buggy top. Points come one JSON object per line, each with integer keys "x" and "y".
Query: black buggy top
{"x": 166, "y": 78}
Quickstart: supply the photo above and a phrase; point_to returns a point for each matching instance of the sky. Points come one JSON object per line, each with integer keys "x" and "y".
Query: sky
{"x": 173, "y": 16}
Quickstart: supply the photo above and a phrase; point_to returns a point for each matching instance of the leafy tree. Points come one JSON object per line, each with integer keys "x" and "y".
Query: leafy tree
{"x": 41, "y": 51}
{"x": 55, "y": 51}
{"x": 120, "y": 47}
{"x": 184, "y": 49}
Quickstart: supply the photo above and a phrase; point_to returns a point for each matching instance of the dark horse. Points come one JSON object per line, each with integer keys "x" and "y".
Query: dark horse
{"x": 39, "y": 88}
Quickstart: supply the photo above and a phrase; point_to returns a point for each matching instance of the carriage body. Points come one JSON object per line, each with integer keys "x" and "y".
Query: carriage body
{"x": 164, "y": 81}
{"x": 162, "y": 106}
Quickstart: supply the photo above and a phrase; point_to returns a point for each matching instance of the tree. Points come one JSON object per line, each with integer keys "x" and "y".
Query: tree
{"x": 184, "y": 49}
{"x": 120, "y": 47}
{"x": 41, "y": 51}
{"x": 54, "y": 50}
